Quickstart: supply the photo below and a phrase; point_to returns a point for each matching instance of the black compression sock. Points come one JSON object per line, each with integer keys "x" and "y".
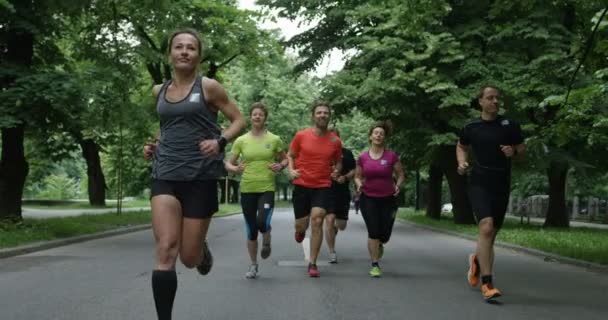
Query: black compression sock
{"x": 486, "y": 279}
{"x": 164, "y": 286}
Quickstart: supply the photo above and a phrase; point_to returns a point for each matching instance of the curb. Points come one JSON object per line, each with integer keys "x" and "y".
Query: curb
{"x": 546, "y": 256}
{"x": 45, "y": 245}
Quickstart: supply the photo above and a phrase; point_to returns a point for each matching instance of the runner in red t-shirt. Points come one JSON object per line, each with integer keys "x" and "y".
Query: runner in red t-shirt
{"x": 314, "y": 157}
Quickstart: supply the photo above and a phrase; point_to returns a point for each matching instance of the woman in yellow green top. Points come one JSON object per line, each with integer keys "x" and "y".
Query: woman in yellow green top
{"x": 262, "y": 156}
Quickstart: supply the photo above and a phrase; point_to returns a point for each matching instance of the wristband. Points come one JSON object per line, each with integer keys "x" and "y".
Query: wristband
{"x": 222, "y": 142}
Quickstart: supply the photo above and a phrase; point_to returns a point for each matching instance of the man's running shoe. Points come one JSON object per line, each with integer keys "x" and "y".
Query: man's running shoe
{"x": 205, "y": 266}
{"x": 333, "y": 258}
{"x": 266, "y": 249}
{"x": 300, "y": 236}
{"x": 252, "y": 273}
{"x": 489, "y": 292}
{"x": 313, "y": 271}
{"x": 375, "y": 272}
{"x": 380, "y": 251}
{"x": 473, "y": 273}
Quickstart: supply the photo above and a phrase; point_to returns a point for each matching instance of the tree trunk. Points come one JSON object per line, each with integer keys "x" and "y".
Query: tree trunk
{"x": 418, "y": 193}
{"x": 233, "y": 189}
{"x": 433, "y": 208}
{"x": 459, "y": 196}
{"x": 222, "y": 184}
{"x": 13, "y": 171}
{"x": 13, "y": 166}
{"x": 557, "y": 215}
{"x": 97, "y": 182}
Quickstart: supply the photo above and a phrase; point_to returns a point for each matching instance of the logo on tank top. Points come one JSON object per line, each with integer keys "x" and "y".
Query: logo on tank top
{"x": 504, "y": 122}
{"x": 267, "y": 146}
{"x": 333, "y": 139}
{"x": 195, "y": 97}
{"x": 383, "y": 162}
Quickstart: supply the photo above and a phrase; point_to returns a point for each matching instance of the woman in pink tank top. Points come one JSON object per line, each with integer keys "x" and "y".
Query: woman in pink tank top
{"x": 376, "y": 168}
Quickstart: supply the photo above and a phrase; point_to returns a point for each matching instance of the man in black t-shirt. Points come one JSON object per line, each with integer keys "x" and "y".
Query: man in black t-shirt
{"x": 494, "y": 141}
{"x": 337, "y": 213}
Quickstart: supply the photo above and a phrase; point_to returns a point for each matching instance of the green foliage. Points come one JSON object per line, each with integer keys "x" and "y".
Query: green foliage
{"x": 423, "y": 74}
{"x": 59, "y": 187}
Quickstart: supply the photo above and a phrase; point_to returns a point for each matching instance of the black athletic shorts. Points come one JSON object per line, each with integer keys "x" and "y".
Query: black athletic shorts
{"x": 489, "y": 194}
{"x": 339, "y": 203}
{"x": 304, "y": 199}
{"x": 198, "y": 198}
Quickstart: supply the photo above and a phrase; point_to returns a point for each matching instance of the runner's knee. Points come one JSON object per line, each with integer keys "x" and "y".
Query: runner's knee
{"x": 166, "y": 252}
{"x": 486, "y": 228}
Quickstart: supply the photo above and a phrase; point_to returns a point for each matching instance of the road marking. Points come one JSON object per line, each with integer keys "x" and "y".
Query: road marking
{"x": 306, "y": 248}
{"x": 300, "y": 263}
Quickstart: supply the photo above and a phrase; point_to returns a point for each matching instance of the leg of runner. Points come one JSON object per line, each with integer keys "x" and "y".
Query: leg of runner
{"x": 487, "y": 233}
{"x": 316, "y": 238}
{"x": 249, "y": 204}
{"x": 166, "y": 225}
{"x": 301, "y": 198}
{"x": 330, "y": 236}
{"x": 265, "y": 210}
{"x": 301, "y": 226}
{"x": 369, "y": 211}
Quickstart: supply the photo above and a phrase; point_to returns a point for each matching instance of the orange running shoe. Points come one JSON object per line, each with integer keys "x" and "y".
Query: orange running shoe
{"x": 489, "y": 292}
{"x": 473, "y": 274}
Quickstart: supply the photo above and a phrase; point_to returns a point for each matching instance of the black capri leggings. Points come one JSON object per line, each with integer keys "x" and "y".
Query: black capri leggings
{"x": 257, "y": 210}
{"x": 379, "y": 215}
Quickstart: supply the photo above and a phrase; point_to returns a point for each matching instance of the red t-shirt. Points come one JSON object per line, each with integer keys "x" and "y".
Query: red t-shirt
{"x": 314, "y": 157}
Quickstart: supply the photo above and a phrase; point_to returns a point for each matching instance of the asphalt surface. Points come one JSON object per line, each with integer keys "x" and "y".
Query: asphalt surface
{"x": 424, "y": 278}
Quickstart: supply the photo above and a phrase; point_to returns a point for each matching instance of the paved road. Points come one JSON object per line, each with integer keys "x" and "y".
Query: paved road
{"x": 424, "y": 278}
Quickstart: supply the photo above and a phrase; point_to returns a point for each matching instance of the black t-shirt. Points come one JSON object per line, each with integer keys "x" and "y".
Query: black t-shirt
{"x": 485, "y": 138}
{"x": 348, "y": 164}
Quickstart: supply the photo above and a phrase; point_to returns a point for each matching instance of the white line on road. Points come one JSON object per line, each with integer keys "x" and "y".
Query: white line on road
{"x": 306, "y": 248}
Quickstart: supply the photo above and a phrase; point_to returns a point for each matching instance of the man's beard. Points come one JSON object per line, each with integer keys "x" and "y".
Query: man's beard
{"x": 322, "y": 124}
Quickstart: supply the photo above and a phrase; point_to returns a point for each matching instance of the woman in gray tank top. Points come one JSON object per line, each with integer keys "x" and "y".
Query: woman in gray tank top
{"x": 186, "y": 163}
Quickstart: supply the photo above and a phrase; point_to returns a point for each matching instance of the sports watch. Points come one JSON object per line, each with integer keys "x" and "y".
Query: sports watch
{"x": 222, "y": 142}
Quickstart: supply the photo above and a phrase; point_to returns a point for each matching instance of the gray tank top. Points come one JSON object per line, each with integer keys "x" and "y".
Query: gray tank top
{"x": 183, "y": 125}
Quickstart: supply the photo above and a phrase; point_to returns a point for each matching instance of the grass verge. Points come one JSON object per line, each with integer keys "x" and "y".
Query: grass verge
{"x": 579, "y": 243}
{"x": 34, "y": 230}
{"x": 110, "y": 204}
{"x": 70, "y": 204}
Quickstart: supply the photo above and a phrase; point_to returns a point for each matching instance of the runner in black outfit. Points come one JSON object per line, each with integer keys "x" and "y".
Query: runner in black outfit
{"x": 337, "y": 213}
{"x": 494, "y": 140}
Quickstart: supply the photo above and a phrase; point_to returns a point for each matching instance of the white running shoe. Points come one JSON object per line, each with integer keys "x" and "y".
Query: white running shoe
{"x": 252, "y": 273}
{"x": 333, "y": 258}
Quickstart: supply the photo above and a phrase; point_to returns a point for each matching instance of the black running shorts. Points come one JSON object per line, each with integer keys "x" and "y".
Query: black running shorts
{"x": 339, "y": 203}
{"x": 489, "y": 194}
{"x": 198, "y": 198}
{"x": 304, "y": 199}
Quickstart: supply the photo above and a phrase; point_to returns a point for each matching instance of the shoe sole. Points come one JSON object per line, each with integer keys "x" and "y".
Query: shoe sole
{"x": 333, "y": 261}
{"x": 494, "y": 296}
{"x": 469, "y": 273}
{"x": 314, "y": 275}
{"x": 207, "y": 262}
